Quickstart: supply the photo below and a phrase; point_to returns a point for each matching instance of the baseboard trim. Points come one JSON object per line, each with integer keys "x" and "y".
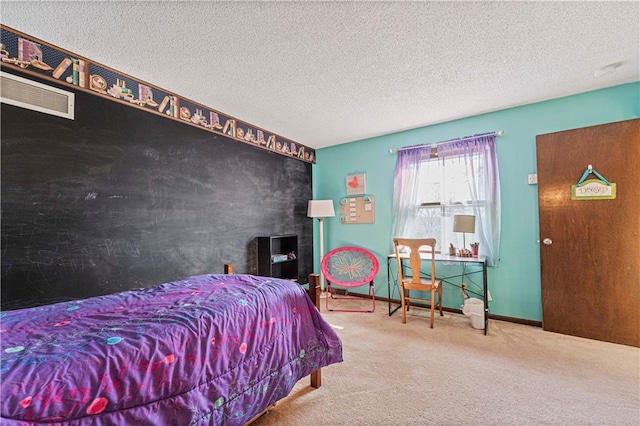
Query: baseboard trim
{"x": 516, "y": 320}
{"x": 445, "y": 308}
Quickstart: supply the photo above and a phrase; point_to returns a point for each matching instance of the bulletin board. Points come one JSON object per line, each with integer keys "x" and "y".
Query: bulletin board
{"x": 358, "y": 209}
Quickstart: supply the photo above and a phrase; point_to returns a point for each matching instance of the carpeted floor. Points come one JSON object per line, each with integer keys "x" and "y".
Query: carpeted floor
{"x": 409, "y": 374}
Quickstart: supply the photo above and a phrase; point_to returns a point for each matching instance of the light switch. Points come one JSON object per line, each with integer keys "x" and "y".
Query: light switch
{"x": 532, "y": 178}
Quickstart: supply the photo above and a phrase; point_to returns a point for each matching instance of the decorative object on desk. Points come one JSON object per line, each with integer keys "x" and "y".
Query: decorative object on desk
{"x": 356, "y": 183}
{"x": 465, "y": 223}
{"x": 415, "y": 282}
{"x": 474, "y": 249}
{"x": 349, "y": 267}
{"x": 464, "y": 253}
{"x": 321, "y": 209}
{"x": 452, "y": 250}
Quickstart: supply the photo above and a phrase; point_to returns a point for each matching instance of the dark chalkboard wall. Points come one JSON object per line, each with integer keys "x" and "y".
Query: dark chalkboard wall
{"x": 120, "y": 199}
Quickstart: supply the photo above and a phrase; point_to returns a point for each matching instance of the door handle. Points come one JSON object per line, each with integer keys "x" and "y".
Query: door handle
{"x": 547, "y": 241}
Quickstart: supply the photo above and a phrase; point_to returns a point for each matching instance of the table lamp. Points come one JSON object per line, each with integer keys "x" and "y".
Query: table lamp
{"x": 321, "y": 209}
{"x": 465, "y": 223}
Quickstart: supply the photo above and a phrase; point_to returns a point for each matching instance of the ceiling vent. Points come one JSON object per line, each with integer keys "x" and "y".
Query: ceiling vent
{"x": 35, "y": 96}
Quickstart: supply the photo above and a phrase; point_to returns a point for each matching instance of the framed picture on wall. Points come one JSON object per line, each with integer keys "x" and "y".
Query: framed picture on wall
{"x": 356, "y": 184}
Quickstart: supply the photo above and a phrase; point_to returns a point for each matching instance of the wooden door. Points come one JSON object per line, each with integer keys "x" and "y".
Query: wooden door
{"x": 590, "y": 266}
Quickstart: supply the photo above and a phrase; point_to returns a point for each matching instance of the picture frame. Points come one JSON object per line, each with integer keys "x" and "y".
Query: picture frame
{"x": 356, "y": 184}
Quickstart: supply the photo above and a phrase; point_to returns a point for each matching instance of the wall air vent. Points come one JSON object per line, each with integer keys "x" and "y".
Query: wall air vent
{"x": 35, "y": 96}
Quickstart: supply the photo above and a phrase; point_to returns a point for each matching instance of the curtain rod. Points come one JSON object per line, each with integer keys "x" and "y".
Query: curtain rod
{"x": 392, "y": 150}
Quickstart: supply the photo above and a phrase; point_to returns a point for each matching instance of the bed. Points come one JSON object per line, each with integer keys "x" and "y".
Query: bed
{"x": 208, "y": 349}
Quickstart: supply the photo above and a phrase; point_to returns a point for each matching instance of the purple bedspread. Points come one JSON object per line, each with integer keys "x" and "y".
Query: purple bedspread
{"x": 209, "y": 349}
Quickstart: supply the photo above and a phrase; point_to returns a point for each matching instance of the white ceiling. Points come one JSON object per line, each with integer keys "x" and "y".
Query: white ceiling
{"x": 325, "y": 73}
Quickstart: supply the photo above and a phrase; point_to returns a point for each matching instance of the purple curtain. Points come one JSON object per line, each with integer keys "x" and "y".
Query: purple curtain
{"x": 406, "y": 195}
{"x": 478, "y": 154}
{"x": 476, "y": 157}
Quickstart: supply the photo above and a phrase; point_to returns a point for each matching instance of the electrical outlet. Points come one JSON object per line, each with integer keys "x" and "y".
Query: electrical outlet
{"x": 532, "y": 179}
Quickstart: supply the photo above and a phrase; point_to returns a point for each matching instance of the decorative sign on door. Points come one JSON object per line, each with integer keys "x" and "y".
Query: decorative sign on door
{"x": 593, "y": 189}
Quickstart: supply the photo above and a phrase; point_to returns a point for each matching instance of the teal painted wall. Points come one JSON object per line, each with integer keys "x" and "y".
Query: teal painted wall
{"x": 515, "y": 284}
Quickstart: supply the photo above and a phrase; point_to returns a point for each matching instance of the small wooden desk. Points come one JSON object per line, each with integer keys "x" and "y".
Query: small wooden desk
{"x": 480, "y": 260}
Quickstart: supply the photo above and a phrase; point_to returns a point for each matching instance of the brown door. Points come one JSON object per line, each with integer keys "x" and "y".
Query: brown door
{"x": 590, "y": 249}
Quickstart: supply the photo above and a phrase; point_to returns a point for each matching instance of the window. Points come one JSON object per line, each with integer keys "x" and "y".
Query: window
{"x": 431, "y": 185}
{"x": 445, "y": 191}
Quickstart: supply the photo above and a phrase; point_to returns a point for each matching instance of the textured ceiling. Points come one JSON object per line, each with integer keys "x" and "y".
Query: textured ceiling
{"x": 325, "y": 73}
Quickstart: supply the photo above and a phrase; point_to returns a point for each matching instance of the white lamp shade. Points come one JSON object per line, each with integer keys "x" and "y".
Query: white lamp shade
{"x": 320, "y": 208}
{"x": 464, "y": 223}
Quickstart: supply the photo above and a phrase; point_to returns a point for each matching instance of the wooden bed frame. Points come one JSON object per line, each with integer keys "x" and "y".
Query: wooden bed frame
{"x": 314, "y": 294}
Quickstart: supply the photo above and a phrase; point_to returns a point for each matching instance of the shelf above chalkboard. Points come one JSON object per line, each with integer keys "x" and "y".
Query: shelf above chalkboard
{"x": 25, "y": 54}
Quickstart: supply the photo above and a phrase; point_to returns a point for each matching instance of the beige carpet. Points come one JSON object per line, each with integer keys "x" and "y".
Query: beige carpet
{"x": 397, "y": 374}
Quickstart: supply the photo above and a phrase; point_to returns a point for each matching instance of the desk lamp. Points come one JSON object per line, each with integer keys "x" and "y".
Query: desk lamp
{"x": 465, "y": 223}
{"x": 321, "y": 209}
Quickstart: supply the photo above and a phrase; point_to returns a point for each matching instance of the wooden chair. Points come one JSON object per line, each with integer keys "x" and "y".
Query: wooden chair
{"x": 349, "y": 267}
{"x": 415, "y": 282}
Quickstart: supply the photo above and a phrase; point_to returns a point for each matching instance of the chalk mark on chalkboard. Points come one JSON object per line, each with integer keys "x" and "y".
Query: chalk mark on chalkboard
{"x": 151, "y": 154}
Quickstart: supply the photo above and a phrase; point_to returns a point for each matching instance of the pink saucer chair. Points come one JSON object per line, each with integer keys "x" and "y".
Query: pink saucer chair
{"x": 349, "y": 267}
